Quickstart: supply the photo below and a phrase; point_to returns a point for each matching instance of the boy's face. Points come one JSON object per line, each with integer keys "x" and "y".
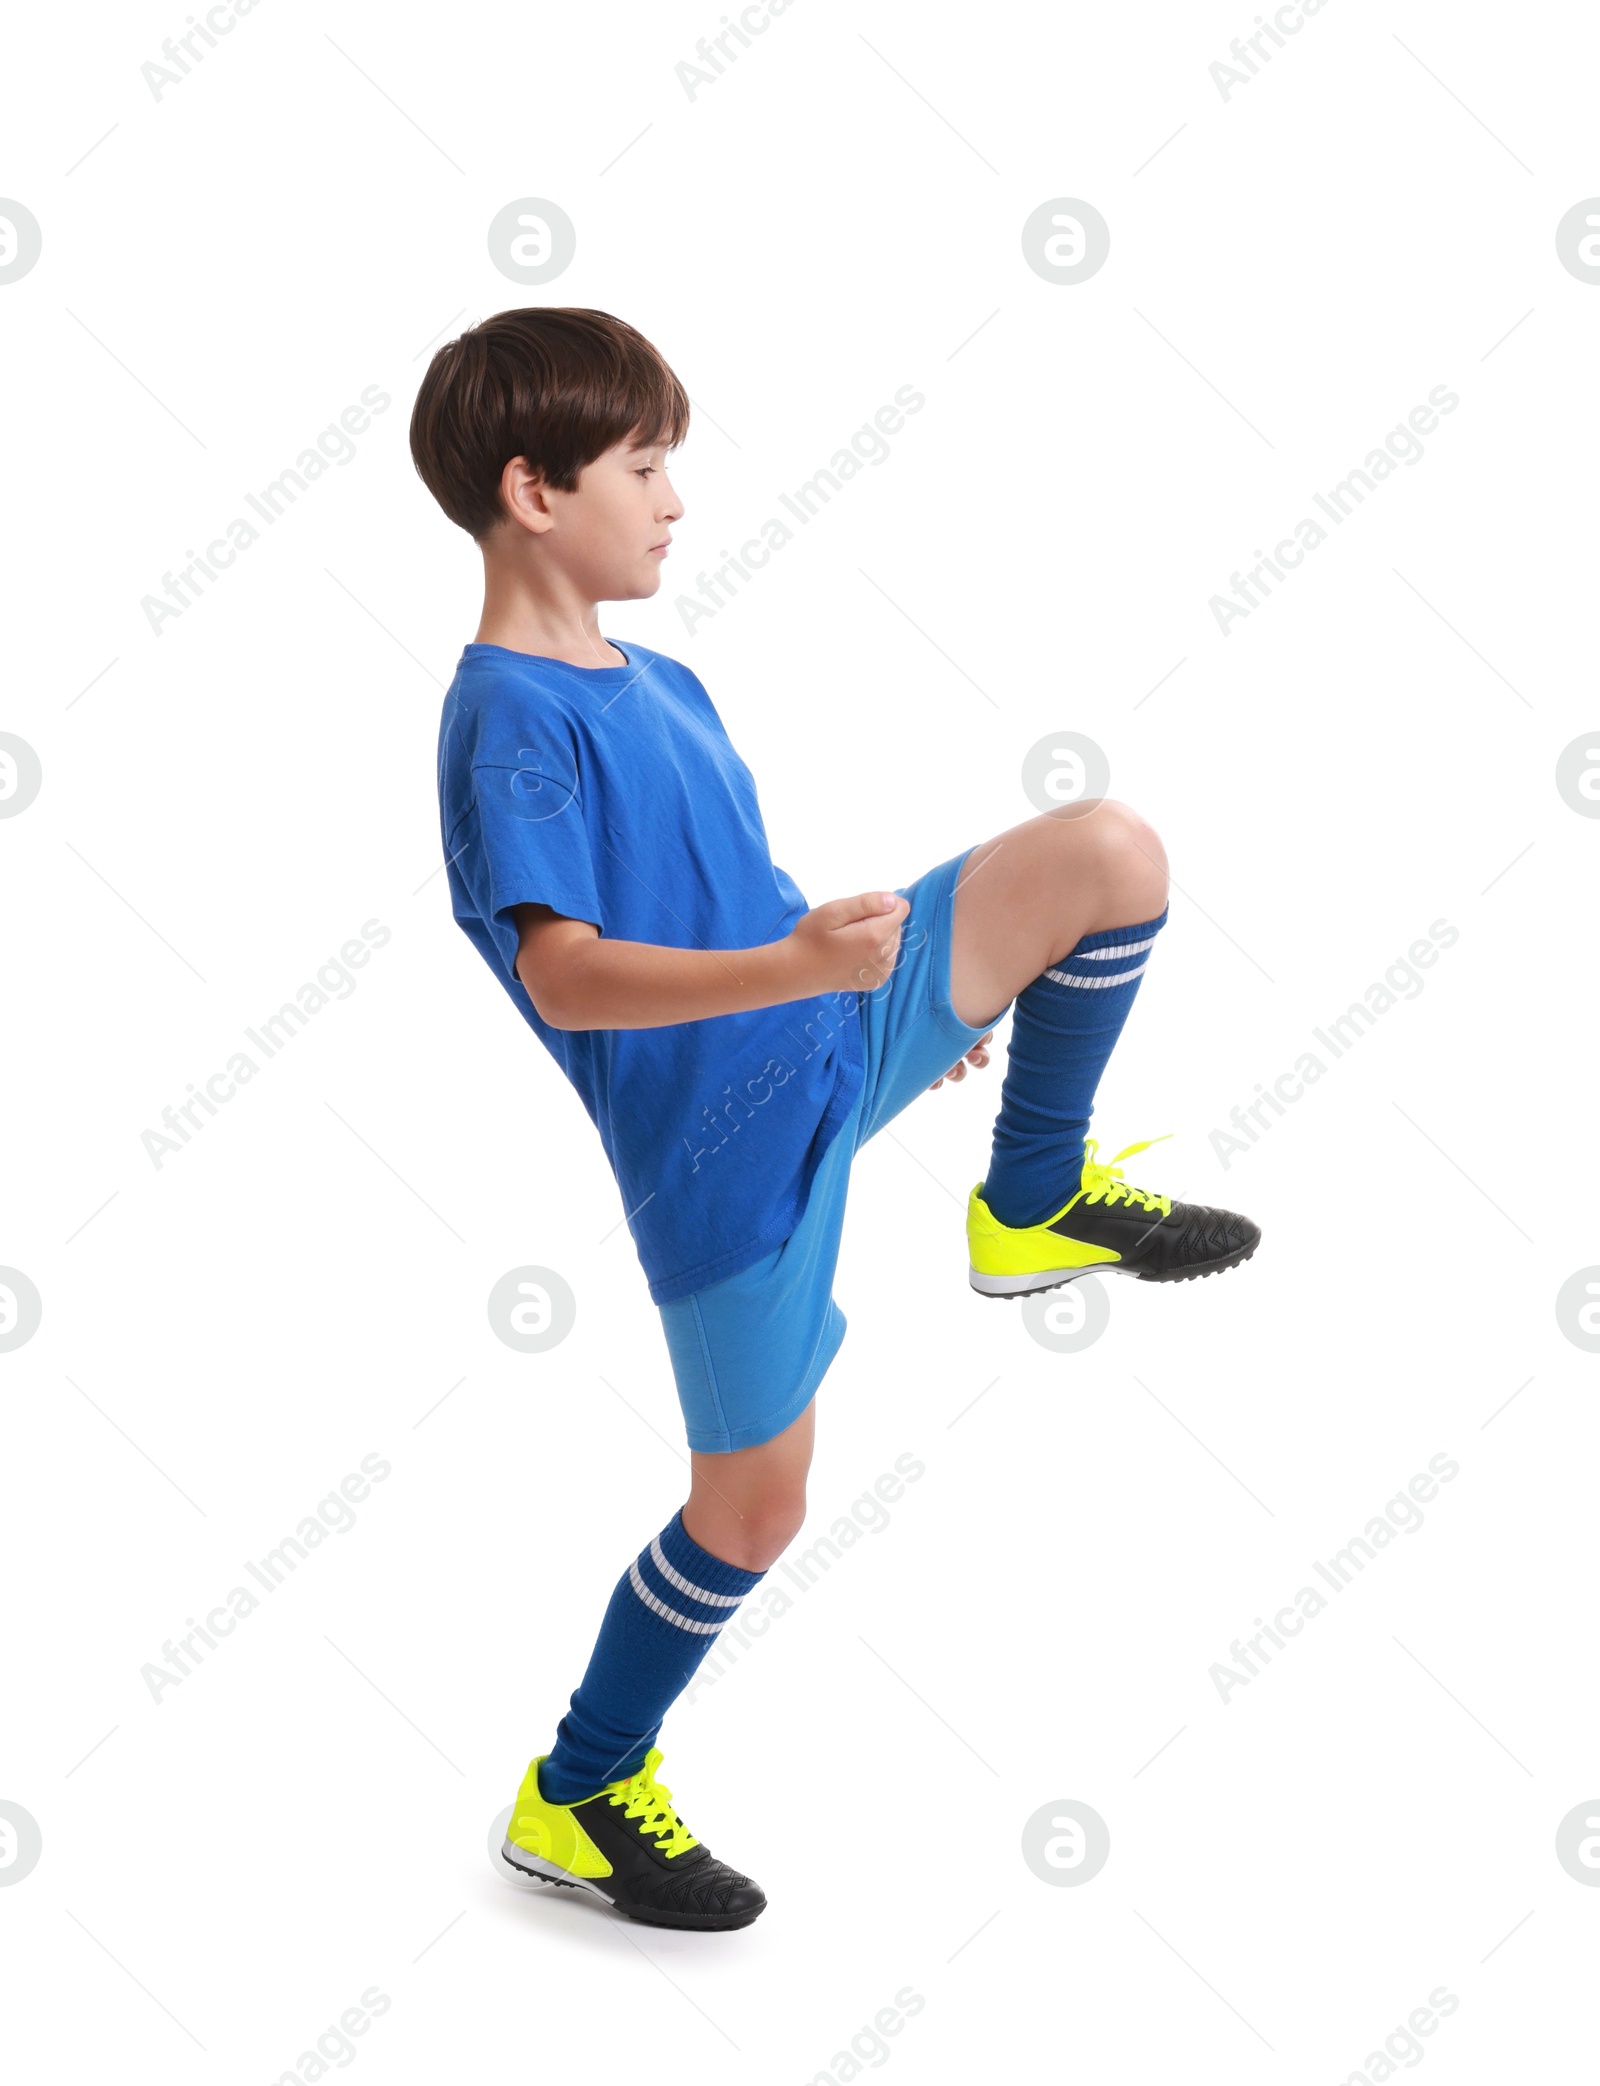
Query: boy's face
{"x": 610, "y": 536}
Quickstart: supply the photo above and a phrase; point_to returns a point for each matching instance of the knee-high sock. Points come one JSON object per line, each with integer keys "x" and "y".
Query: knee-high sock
{"x": 661, "y": 1620}
{"x": 1064, "y": 1027}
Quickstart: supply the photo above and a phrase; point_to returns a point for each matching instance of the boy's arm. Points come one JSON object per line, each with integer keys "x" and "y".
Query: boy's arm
{"x": 578, "y": 979}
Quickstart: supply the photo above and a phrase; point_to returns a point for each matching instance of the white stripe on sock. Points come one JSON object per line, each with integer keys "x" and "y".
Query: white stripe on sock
{"x": 1122, "y": 949}
{"x": 700, "y": 1629}
{"x": 1097, "y": 984}
{"x": 695, "y": 1593}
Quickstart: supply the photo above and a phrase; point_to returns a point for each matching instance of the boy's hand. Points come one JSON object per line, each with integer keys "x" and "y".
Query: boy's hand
{"x": 849, "y": 944}
{"x": 977, "y": 1055}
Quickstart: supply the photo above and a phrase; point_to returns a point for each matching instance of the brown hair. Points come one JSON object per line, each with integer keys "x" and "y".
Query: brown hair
{"x": 557, "y": 385}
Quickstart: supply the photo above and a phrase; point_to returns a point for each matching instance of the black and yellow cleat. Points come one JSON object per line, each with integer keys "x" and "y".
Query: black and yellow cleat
{"x": 628, "y": 1846}
{"x": 1109, "y": 1228}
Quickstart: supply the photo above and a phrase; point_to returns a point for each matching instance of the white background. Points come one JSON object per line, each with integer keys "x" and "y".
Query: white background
{"x": 223, "y": 805}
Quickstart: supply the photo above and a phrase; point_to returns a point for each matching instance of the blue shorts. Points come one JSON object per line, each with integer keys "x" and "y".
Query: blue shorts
{"x": 749, "y": 1353}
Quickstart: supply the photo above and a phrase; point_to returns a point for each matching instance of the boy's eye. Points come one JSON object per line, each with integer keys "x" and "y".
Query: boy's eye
{"x": 647, "y": 472}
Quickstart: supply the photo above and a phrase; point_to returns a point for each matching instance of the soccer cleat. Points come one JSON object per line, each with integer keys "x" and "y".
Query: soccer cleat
{"x": 1108, "y": 1227}
{"x": 628, "y": 1846}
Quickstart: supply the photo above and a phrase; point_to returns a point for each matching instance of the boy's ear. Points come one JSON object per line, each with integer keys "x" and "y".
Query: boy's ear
{"x": 522, "y": 496}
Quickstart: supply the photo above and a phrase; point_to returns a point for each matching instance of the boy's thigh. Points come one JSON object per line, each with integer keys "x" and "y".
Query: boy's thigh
{"x": 911, "y": 1034}
{"x": 749, "y": 1352}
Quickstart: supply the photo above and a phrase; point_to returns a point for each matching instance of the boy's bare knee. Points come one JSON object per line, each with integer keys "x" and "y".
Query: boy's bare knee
{"x": 1118, "y": 853}
{"x": 748, "y": 1519}
{"x": 1140, "y": 843}
{"x": 765, "y": 1531}
{"x": 1117, "y": 830}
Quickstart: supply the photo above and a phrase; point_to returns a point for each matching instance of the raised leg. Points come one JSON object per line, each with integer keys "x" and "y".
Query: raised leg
{"x": 1028, "y": 896}
{"x": 1059, "y": 915}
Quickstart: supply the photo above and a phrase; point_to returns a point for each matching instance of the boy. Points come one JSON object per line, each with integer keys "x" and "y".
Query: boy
{"x": 607, "y": 856}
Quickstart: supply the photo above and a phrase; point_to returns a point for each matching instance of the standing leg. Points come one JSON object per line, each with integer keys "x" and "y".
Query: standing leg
{"x": 742, "y": 1512}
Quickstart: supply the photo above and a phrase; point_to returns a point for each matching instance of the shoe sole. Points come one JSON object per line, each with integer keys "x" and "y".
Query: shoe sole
{"x": 1007, "y": 1288}
{"x": 538, "y": 1870}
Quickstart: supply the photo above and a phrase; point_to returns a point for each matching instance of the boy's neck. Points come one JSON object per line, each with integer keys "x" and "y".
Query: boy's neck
{"x": 547, "y": 617}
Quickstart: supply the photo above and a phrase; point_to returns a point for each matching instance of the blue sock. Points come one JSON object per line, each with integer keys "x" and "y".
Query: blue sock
{"x": 667, "y": 1608}
{"x": 1064, "y": 1027}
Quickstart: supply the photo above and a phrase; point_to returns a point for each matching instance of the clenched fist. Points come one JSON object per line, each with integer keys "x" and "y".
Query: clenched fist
{"x": 849, "y": 944}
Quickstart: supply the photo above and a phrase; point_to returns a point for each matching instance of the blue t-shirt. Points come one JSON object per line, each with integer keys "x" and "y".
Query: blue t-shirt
{"x": 612, "y": 794}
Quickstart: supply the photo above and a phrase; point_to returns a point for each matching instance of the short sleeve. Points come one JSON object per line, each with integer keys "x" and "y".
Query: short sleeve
{"x": 531, "y": 845}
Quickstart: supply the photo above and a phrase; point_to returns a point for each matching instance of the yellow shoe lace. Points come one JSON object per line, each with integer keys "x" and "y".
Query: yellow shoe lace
{"x": 1105, "y": 1183}
{"x": 650, "y": 1801}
